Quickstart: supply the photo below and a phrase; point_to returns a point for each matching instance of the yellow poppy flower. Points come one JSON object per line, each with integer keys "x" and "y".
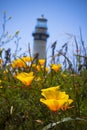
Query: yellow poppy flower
{"x": 0, "y": 81}
{"x": 0, "y": 61}
{"x": 27, "y": 59}
{"x": 25, "y": 78}
{"x": 33, "y": 65}
{"x": 5, "y": 71}
{"x": 53, "y": 104}
{"x": 50, "y": 93}
{"x": 37, "y": 79}
{"x": 55, "y": 99}
{"x": 56, "y": 67}
{"x": 41, "y": 61}
{"x": 42, "y": 68}
{"x": 18, "y": 63}
{"x": 1, "y": 86}
{"x": 55, "y": 95}
{"x": 38, "y": 67}
{"x": 47, "y": 69}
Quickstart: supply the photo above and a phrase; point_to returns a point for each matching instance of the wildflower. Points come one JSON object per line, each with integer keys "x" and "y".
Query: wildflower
{"x": 38, "y": 67}
{"x": 38, "y": 79}
{"x": 27, "y": 59}
{"x": 55, "y": 99}
{"x": 47, "y": 69}
{"x": 0, "y": 81}
{"x": 5, "y": 71}
{"x": 18, "y": 63}
{"x": 55, "y": 67}
{"x": 1, "y": 86}
{"x": 25, "y": 78}
{"x": 41, "y": 61}
{"x": 0, "y": 61}
{"x": 34, "y": 65}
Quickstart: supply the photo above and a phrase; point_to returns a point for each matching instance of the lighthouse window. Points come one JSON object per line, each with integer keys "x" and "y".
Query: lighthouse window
{"x": 41, "y": 24}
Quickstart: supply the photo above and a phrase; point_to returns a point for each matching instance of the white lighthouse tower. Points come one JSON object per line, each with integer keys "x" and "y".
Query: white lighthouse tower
{"x": 40, "y": 38}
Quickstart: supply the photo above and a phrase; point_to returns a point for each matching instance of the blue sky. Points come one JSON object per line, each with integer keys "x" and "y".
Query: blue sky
{"x": 64, "y": 16}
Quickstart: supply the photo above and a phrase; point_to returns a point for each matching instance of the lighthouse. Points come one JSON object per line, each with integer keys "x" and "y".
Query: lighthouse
{"x": 40, "y": 35}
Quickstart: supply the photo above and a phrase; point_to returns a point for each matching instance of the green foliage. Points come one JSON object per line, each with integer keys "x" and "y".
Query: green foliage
{"x": 21, "y": 107}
